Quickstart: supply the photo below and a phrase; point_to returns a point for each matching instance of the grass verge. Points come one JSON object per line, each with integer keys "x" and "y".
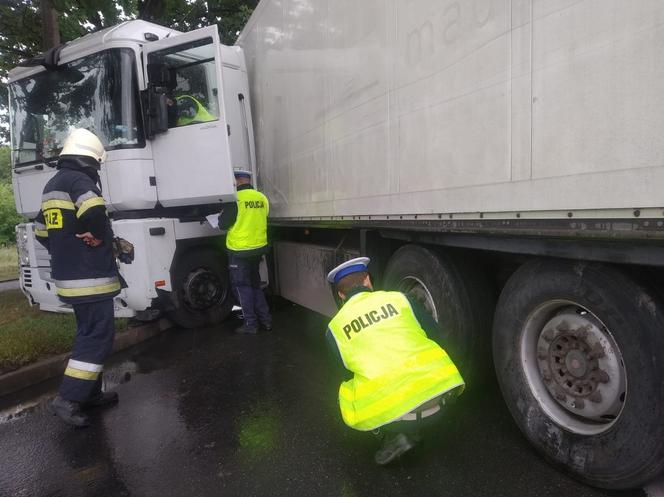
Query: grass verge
{"x": 8, "y": 263}
{"x": 28, "y": 334}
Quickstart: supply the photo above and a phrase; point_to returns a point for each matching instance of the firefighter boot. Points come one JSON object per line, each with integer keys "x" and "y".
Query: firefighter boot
{"x": 69, "y": 412}
{"x": 392, "y": 448}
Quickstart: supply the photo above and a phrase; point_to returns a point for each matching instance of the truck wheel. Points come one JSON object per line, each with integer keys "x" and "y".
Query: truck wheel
{"x": 457, "y": 296}
{"x": 201, "y": 289}
{"x": 578, "y": 349}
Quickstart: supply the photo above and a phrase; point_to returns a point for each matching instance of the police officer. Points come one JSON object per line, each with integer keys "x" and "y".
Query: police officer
{"x": 246, "y": 243}
{"x": 73, "y": 226}
{"x": 400, "y": 377}
{"x": 191, "y": 111}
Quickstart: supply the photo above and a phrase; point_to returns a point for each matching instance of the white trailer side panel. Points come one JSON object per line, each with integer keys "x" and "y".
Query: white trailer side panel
{"x": 384, "y": 107}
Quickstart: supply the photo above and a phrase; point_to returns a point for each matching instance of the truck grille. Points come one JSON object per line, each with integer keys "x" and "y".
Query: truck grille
{"x": 27, "y": 277}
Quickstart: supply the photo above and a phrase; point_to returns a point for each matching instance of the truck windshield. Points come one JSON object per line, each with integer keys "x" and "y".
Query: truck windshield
{"x": 98, "y": 92}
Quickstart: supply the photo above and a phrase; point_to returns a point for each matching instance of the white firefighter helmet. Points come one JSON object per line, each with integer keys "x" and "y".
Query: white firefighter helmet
{"x": 83, "y": 142}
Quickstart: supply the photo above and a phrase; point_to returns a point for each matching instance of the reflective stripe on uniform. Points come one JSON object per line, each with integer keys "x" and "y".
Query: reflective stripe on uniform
{"x": 84, "y": 283}
{"x": 93, "y": 290}
{"x": 88, "y": 204}
{"x": 83, "y": 370}
{"x": 84, "y": 287}
{"x": 58, "y": 204}
{"x": 56, "y": 195}
{"x": 85, "y": 366}
{"x": 82, "y": 198}
{"x": 86, "y": 201}
{"x": 81, "y": 375}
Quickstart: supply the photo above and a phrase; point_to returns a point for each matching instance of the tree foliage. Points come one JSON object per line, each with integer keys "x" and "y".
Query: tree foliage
{"x": 21, "y": 38}
{"x": 21, "y": 24}
{"x": 8, "y": 216}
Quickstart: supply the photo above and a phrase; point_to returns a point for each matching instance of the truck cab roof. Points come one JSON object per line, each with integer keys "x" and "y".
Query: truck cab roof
{"x": 130, "y": 31}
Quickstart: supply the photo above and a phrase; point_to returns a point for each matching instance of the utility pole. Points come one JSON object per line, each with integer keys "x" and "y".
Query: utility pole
{"x": 50, "y": 28}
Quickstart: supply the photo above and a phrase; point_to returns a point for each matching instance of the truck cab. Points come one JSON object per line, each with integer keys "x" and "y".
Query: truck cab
{"x": 172, "y": 110}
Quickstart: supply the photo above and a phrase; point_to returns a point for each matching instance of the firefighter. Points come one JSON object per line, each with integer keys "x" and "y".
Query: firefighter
{"x": 246, "y": 243}
{"x": 400, "y": 377}
{"x": 73, "y": 226}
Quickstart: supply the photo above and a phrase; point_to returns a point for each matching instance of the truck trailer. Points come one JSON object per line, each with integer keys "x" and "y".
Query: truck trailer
{"x": 502, "y": 161}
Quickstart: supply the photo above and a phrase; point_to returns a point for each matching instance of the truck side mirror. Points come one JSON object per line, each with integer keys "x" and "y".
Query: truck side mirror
{"x": 155, "y": 112}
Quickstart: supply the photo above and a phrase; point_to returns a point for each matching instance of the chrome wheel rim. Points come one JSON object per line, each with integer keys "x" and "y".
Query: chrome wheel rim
{"x": 415, "y": 288}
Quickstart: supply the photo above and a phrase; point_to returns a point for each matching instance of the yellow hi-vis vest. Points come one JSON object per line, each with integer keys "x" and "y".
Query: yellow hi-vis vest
{"x": 396, "y": 367}
{"x": 202, "y": 114}
{"x": 250, "y": 229}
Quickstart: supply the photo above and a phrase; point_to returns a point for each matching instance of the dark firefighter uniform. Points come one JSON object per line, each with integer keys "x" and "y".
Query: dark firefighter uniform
{"x": 84, "y": 276}
{"x": 399, "y": 374}
{"x": 246, "y": 242}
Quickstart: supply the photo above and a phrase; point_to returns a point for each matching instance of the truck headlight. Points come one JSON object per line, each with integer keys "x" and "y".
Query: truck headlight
{"x": 22, "y": 245}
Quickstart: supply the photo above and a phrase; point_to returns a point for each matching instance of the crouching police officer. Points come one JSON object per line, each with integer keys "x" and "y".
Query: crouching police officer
{"x": 73, "y": 226}
{"x": 246, "y": 243}
{"x": 401, "y": 377}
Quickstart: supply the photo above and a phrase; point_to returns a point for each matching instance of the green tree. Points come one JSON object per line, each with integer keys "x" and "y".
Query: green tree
{"x": 5, "y": 167}
{"x": 8, "y": 216}
{"x": 21, "y": 27}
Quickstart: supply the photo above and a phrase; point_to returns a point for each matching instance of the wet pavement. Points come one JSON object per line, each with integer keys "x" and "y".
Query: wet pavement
{"x": 9, "y": 285}
{"x": 208, "y": 413}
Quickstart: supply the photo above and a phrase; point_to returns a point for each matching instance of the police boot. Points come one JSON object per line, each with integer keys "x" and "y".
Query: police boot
{"x": 101, "y": 399}
{"x": 69, "y": 412}
{"x": 266, "y": 326}
{"x": 392, "y": 448}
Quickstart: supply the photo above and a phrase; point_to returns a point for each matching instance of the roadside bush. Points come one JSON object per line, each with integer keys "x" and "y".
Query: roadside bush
{"x": 8, "y": 215}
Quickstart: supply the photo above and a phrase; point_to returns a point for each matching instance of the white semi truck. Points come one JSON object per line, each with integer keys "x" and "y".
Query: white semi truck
{"x": 481, "y": 148}
{"x": 500, "y": 160}
{"x": 140, "y": 86}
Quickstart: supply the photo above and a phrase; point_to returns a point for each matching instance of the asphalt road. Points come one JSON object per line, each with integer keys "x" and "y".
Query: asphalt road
{"x": 208, "y": 413}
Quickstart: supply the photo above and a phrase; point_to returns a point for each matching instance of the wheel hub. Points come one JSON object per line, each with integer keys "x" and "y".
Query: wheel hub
{"x": 202, "y": 289}
{"x": 576, "y": 364}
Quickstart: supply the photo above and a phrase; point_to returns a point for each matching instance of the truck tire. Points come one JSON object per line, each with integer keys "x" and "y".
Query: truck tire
{"x": 578, "y": 349}
{"x": 201, "y": 293}
{"x": 459, "y": 298}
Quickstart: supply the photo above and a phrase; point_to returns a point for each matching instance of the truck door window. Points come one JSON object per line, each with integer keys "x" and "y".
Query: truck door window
{"x": 192, "y": 89}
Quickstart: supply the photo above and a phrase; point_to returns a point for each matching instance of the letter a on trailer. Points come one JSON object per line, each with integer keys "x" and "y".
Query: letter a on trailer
{"x": 192, "y": 159}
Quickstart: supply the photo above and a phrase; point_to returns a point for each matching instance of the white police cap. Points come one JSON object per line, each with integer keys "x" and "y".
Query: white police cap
{"x": 241, "y": 173}
{"x": 349, "y": 267}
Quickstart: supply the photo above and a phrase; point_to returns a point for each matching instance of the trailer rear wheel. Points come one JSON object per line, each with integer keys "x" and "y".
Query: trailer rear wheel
{"x": 458, "y": 297}
{"x": 201, "y": 289}
{"x": 578, "y": 350}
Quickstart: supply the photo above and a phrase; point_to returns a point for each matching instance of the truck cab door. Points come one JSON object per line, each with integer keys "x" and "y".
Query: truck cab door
{"x": 192, "y": 158}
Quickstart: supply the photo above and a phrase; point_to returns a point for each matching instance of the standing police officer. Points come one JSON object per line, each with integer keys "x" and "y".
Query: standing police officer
{"x": 246, "y": 242}
{"x": 73, "y": 226}
{"x": 400, "y": 376}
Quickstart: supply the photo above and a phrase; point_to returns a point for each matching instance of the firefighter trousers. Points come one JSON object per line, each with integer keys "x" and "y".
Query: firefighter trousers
{"x": 95, "y": 330}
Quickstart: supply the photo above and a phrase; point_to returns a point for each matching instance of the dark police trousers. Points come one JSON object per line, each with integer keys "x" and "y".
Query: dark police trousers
{"x": 95, "y": 330}
{"x": 246, "y": 283}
